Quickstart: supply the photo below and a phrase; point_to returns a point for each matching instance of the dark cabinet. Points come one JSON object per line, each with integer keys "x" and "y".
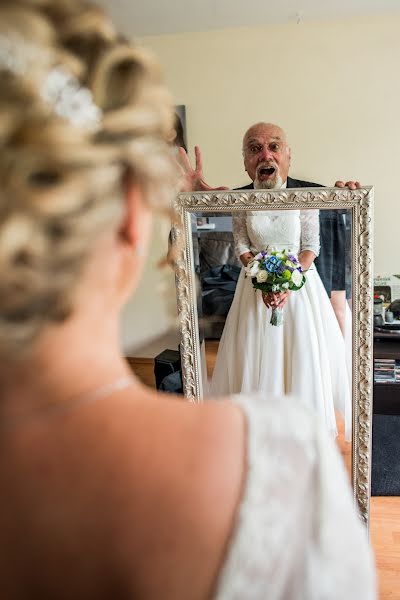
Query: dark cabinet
{"x": 386, "y": 394}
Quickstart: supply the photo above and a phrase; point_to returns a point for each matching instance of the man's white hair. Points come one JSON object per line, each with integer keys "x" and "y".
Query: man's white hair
{"x": 264, "y": 124}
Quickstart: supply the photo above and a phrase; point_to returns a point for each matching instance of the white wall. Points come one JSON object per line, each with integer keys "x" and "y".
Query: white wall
{"x": 333, "y": 87}
{"x": 151, "y": 311}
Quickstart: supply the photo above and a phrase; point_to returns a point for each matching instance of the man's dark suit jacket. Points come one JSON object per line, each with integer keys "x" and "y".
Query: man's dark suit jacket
{"x": 332, "y": 257}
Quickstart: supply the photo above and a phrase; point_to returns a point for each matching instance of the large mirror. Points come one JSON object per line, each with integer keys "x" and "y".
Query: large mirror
{"x": 233, "y": 341}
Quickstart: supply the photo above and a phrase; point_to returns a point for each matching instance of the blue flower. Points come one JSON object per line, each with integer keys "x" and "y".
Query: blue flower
{"x": 273, "y": 264}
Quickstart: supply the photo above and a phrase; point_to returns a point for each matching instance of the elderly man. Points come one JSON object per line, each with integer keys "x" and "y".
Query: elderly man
{"x": 267, "y": 158}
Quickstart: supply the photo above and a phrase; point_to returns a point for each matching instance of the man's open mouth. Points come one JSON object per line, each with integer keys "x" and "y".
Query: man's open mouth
{"x": 266, "y": 171}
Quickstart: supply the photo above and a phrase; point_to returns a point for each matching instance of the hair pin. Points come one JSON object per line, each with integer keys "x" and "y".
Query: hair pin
{"x": 62, "y": 90}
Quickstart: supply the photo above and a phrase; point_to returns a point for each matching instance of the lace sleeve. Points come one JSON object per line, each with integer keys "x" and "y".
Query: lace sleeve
{"x": 309, "y": 220}
{"x": 297, "y": 535}
{"x": 240, "y": 236}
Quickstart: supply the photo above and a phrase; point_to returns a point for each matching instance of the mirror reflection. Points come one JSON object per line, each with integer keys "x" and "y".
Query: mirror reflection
{"x": 277, "y": 337}
{"x": 307, "y": 351}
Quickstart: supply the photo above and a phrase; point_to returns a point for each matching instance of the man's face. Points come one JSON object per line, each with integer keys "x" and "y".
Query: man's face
{"x": 266, "y": 156}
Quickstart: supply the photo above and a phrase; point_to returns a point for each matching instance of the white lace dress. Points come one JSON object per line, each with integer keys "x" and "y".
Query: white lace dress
{"x": 297, "y": 535}
{"x": 306, "y": 355}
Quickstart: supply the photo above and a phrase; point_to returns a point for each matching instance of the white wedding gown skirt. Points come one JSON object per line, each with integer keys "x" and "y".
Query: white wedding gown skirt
{"x": 306, "y": 356}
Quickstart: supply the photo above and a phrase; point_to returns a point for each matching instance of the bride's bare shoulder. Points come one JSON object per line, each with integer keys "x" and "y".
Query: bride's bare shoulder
{"x": 190, "y": 465}
{"x": 183, "y": 466}
{"x": 201, "y": 438}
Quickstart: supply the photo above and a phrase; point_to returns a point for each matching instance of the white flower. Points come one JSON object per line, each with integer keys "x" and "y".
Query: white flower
{"x": 297, "y": 277}
{"x": 275, "y": 287}
{"x": 285, "y": 285}
{"x": 252, "y": 268}
{"x": 262, "y": 276}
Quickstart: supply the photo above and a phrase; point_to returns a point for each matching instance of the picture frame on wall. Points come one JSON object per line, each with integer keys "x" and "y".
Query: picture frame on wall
{"x": 180, "y": 126}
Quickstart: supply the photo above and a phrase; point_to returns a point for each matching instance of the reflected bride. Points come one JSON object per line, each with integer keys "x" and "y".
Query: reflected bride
{"x": 305, "y": 356}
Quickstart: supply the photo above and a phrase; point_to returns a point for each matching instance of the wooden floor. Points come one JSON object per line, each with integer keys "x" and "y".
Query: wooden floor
{"x": 385, "y": 511}
{"x": 385, "y": 536}
{"x": 384, "y": 532}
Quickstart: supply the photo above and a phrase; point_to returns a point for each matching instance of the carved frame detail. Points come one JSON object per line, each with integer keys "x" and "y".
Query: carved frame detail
{"x": 360, "y": 202}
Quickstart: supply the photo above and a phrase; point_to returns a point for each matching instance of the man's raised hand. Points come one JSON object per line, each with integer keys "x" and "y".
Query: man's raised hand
{"x": 193, "y": 177}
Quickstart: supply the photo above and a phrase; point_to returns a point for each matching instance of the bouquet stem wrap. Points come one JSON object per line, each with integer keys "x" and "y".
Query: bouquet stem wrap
{"x": 277, "y": 317}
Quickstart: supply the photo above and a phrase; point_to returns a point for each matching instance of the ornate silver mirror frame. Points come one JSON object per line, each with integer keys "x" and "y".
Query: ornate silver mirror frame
{"x": 360, "y": 203}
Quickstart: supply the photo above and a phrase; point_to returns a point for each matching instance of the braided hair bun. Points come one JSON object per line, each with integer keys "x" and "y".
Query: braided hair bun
{"x": 79, "y": 107}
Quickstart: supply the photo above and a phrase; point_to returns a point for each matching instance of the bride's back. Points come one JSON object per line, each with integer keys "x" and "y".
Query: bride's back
{"x": 104, "y": 493}
{"x": 133, "y": 497}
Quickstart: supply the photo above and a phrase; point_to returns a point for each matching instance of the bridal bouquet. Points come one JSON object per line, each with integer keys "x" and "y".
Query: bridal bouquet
{"x": 276, "y": 271}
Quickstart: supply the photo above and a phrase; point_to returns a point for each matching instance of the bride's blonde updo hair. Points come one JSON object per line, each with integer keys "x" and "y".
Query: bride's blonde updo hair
{"x": 61, "y": 183}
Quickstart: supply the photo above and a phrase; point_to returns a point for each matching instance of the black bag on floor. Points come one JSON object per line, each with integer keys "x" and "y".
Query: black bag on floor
{"x": 167, "y": 372}
{"x": 172, "y": 383}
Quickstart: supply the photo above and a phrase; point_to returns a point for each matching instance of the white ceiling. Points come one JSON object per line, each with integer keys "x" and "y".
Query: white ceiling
{"x": 156, "y": 17}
